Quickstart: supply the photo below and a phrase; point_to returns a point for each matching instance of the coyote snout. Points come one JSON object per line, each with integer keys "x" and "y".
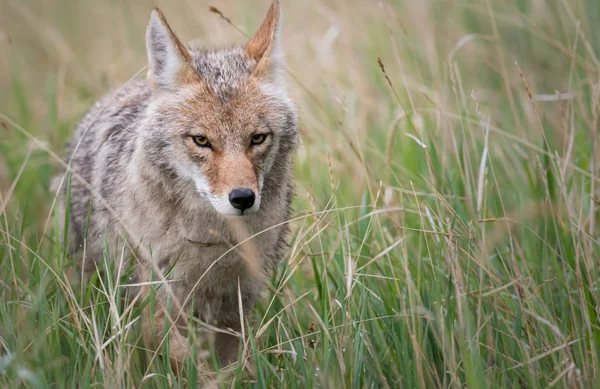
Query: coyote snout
{"x": 238, "y": 202}
{"x": 232, "y": 187}
{"x": 242, "y": 199}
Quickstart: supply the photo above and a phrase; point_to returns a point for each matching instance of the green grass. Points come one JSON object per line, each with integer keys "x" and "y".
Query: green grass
{"x": 445, "y": 232}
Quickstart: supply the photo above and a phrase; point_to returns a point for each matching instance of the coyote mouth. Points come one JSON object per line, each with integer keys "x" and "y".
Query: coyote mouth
{"x": 242, "y": 214}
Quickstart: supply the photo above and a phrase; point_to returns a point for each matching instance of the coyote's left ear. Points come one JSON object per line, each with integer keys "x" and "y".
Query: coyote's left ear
{"x": 265, "y": 47}
{"x": 168, "y": 59}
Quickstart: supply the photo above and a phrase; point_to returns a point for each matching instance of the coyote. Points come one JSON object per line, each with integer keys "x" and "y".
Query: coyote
{"x": 188, "y": 173}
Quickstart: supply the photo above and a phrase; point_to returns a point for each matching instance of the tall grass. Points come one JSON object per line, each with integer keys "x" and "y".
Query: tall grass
{"x": 446, "y": 221}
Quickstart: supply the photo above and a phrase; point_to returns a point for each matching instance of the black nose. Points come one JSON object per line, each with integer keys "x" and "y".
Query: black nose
{"x": 242, "y": 198}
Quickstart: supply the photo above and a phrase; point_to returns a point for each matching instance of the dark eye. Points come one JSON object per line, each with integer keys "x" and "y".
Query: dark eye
{"x": 201, "y": 141}
{"x": 258, "y": 139}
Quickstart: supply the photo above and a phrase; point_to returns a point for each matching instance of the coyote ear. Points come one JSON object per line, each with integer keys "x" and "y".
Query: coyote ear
{"x": 168, "y": 58}
{"x": 265, "y": 47}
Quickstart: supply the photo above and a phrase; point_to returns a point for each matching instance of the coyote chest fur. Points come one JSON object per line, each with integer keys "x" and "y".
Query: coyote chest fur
{"x": 189, "y": 173}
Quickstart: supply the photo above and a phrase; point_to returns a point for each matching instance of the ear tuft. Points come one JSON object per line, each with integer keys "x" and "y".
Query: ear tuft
{"x": 168, "y": 58}
{"x": 265, "y": 46}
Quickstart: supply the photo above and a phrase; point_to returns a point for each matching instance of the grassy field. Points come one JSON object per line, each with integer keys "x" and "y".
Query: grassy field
{"x": 446, "y": 227}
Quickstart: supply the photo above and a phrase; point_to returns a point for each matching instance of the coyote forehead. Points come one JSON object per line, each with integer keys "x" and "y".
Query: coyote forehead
{"x": 219, "y": 117}
{"x": 223, "y": 71}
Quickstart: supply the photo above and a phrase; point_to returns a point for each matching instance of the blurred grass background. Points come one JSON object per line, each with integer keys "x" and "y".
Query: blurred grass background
{"x": 446, "y": 229}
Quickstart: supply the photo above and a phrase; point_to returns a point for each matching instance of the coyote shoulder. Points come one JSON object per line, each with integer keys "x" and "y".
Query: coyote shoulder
{"x": 188, "y": 173}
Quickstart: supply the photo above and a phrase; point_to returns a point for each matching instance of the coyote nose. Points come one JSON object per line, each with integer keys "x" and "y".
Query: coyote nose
{"x": 242, "y": 199}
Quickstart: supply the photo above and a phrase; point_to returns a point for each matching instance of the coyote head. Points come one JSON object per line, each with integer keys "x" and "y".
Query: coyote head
{"x": 220, "y": 120}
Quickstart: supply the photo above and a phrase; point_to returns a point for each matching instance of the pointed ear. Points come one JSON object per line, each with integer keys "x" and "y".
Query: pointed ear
{"x": 265, "y": 47}
{"x": 168, "y": 59}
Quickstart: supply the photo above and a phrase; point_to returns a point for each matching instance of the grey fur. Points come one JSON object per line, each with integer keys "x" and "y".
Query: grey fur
{"x": 125, "y": 160}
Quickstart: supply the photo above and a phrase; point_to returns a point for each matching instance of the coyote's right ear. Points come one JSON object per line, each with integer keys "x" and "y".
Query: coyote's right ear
{"x": 168, "y": 59}
{"x": 265, "y": 47}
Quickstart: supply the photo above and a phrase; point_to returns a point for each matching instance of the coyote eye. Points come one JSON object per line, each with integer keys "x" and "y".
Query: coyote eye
{"x": 258, "y": 139}
{"x": 201, "y": 141}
